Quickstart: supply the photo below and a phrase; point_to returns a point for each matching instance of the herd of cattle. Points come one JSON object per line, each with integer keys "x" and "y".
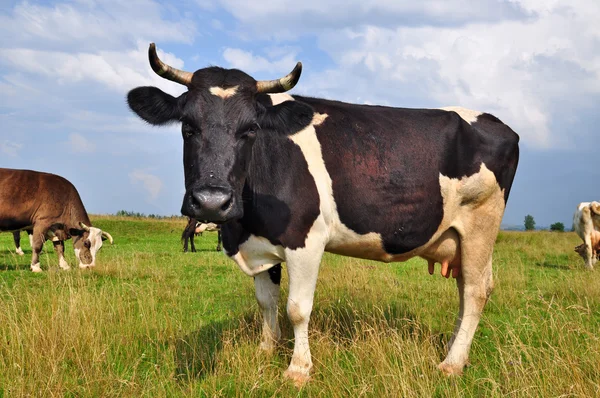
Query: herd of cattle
{"x": 284, "y": 178}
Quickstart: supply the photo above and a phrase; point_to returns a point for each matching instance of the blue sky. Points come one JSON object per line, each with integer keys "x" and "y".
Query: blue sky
{"x": 66, "y": 67}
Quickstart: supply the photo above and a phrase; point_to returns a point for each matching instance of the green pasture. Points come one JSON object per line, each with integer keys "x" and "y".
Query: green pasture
{"x": 153, "y": 321}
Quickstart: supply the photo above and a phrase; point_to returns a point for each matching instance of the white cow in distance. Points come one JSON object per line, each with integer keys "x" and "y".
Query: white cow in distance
{"x": 586, "y": 222}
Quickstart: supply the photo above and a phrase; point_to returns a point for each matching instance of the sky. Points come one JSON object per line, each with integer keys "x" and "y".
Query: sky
{"x": 66, "y": 67}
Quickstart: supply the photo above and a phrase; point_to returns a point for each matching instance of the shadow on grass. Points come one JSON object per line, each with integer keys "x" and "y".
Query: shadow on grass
{"x": 546, "y": 264}
{"x": 198, "y": 354}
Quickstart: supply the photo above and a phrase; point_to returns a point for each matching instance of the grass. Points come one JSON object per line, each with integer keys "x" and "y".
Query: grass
{"x": 153, "y": 321}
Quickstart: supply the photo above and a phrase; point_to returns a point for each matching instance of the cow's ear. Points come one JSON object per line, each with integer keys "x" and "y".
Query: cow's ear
{"x": 76, "y": 232}
{"x": 154, "y": 105}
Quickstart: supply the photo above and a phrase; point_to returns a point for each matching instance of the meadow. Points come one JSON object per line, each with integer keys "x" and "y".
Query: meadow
{"x": 153, "y": 321}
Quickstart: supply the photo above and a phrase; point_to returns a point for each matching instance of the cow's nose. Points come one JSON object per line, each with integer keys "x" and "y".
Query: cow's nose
{"x": 212, "y": 200}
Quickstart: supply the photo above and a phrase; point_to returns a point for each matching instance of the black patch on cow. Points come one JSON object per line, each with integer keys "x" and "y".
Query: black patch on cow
{"x": 275, "y": 274}
{"x": 385, "y": 165}
{"x": 287, "y": 118}
{"x": 499, "y": 149}
{"x": 281, "y": 201}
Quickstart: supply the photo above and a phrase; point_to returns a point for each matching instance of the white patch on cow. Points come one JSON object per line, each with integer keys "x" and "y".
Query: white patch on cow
{"x": 280, "y": 97}
{"x": 467, "y": 115}
{"x": 95, "y": 238}
{"x": 63, "y": 264}
{"x": 20, "y": 251}
{"x": 257, "y": 255}
{"x": 223, "y": 92}
{"x": 30, "y": 240}
{"x": 210, "y": 227}
{"x": 36, "y": 267}
{"x": 340, "y": 239}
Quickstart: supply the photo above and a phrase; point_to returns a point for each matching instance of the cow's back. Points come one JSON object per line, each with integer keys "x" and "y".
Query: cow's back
{"x": 26, "y": 195}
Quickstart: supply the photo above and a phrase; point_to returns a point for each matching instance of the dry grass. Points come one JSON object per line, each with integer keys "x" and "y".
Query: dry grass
{"x": 152, "y": 321}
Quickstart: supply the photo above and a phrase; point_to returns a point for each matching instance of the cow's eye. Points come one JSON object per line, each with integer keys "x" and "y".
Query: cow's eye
{"x": 186, "y": 130}
{"x": 250, "y": 132}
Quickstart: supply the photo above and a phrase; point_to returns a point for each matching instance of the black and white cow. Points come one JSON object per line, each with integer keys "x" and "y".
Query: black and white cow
{"x": 291, "y": 177}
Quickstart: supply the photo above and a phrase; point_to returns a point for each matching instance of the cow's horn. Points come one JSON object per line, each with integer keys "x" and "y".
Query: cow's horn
{"x": 280, "y": 85}
{"x": 84, "y": 227}
{"x": 166, "y": 71}
{"x": 107, "y": 236}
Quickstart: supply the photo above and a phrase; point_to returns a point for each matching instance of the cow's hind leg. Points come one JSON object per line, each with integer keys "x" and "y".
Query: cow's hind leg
{"x": 267, "y": 294}
{"x": 475, "y": 285}
{"x": 39, "y": 236}
{"x": 17, "y": 238}
{"x": 192, "y": 243}
{"x": 303, "y": 268}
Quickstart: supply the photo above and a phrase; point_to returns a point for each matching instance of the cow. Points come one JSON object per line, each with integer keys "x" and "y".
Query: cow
{"x": 586, "y": 222}
{"x": 291, "y": 176}
{"x": 193, "y": 228}
{"x": 51, "y": 208}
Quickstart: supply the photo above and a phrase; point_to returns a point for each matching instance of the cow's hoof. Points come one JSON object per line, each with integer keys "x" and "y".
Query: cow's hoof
{"x": 267, "y": 347}
{"x": 450, "y": 369}
{"x": 20, "y": 252}
{"x": 299, "y": 378}
{"x": 36, "y": 268}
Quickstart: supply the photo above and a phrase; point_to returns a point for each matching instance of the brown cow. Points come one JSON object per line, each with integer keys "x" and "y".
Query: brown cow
{"x": 50, "y": 206}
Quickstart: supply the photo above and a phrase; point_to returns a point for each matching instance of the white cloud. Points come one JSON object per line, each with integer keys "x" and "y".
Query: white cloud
{"x": 10, "y": 148}
{"x": 151, "y": 183}
{"x": 80, "y": 144}
{"x": 91, "y": 26}
{"x": 251, "y": 63}
{"x": 117, "y": 70}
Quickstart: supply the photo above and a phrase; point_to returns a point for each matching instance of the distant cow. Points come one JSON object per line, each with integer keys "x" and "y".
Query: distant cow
{"x": 50, "y": 206}
{"x": 193, "y": 228}
{"x": 17, "y": 239}
{"x": 291, "y": 176}
{"x": 586, "y": 222}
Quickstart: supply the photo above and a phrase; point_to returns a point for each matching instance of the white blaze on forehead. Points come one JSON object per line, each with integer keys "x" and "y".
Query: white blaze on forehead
{"x": 467, "y": 115}
{"x": 223, "y": 92}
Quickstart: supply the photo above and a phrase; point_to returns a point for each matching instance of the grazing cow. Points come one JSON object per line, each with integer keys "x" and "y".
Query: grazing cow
{"x": 586, "y": 222}
{"x": 17, "y": 239}
{"x": 193, "y": 228}
{"x": 291, "y": 177}
{"x": 51, "y": 208}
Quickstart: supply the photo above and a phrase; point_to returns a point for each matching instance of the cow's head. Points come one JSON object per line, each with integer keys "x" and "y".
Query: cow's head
{"x": 219, "y": 116}
{"x": 86, "y": 242}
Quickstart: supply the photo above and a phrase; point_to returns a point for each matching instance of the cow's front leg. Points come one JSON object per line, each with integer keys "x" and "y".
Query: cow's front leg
{"x": 303, "y": 268}
{"x": 267, "y": 285}
{"x": 59, "y": 248}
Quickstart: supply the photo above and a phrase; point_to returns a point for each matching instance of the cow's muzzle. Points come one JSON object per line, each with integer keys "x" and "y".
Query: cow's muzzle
{"x": 215, "y": 204}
